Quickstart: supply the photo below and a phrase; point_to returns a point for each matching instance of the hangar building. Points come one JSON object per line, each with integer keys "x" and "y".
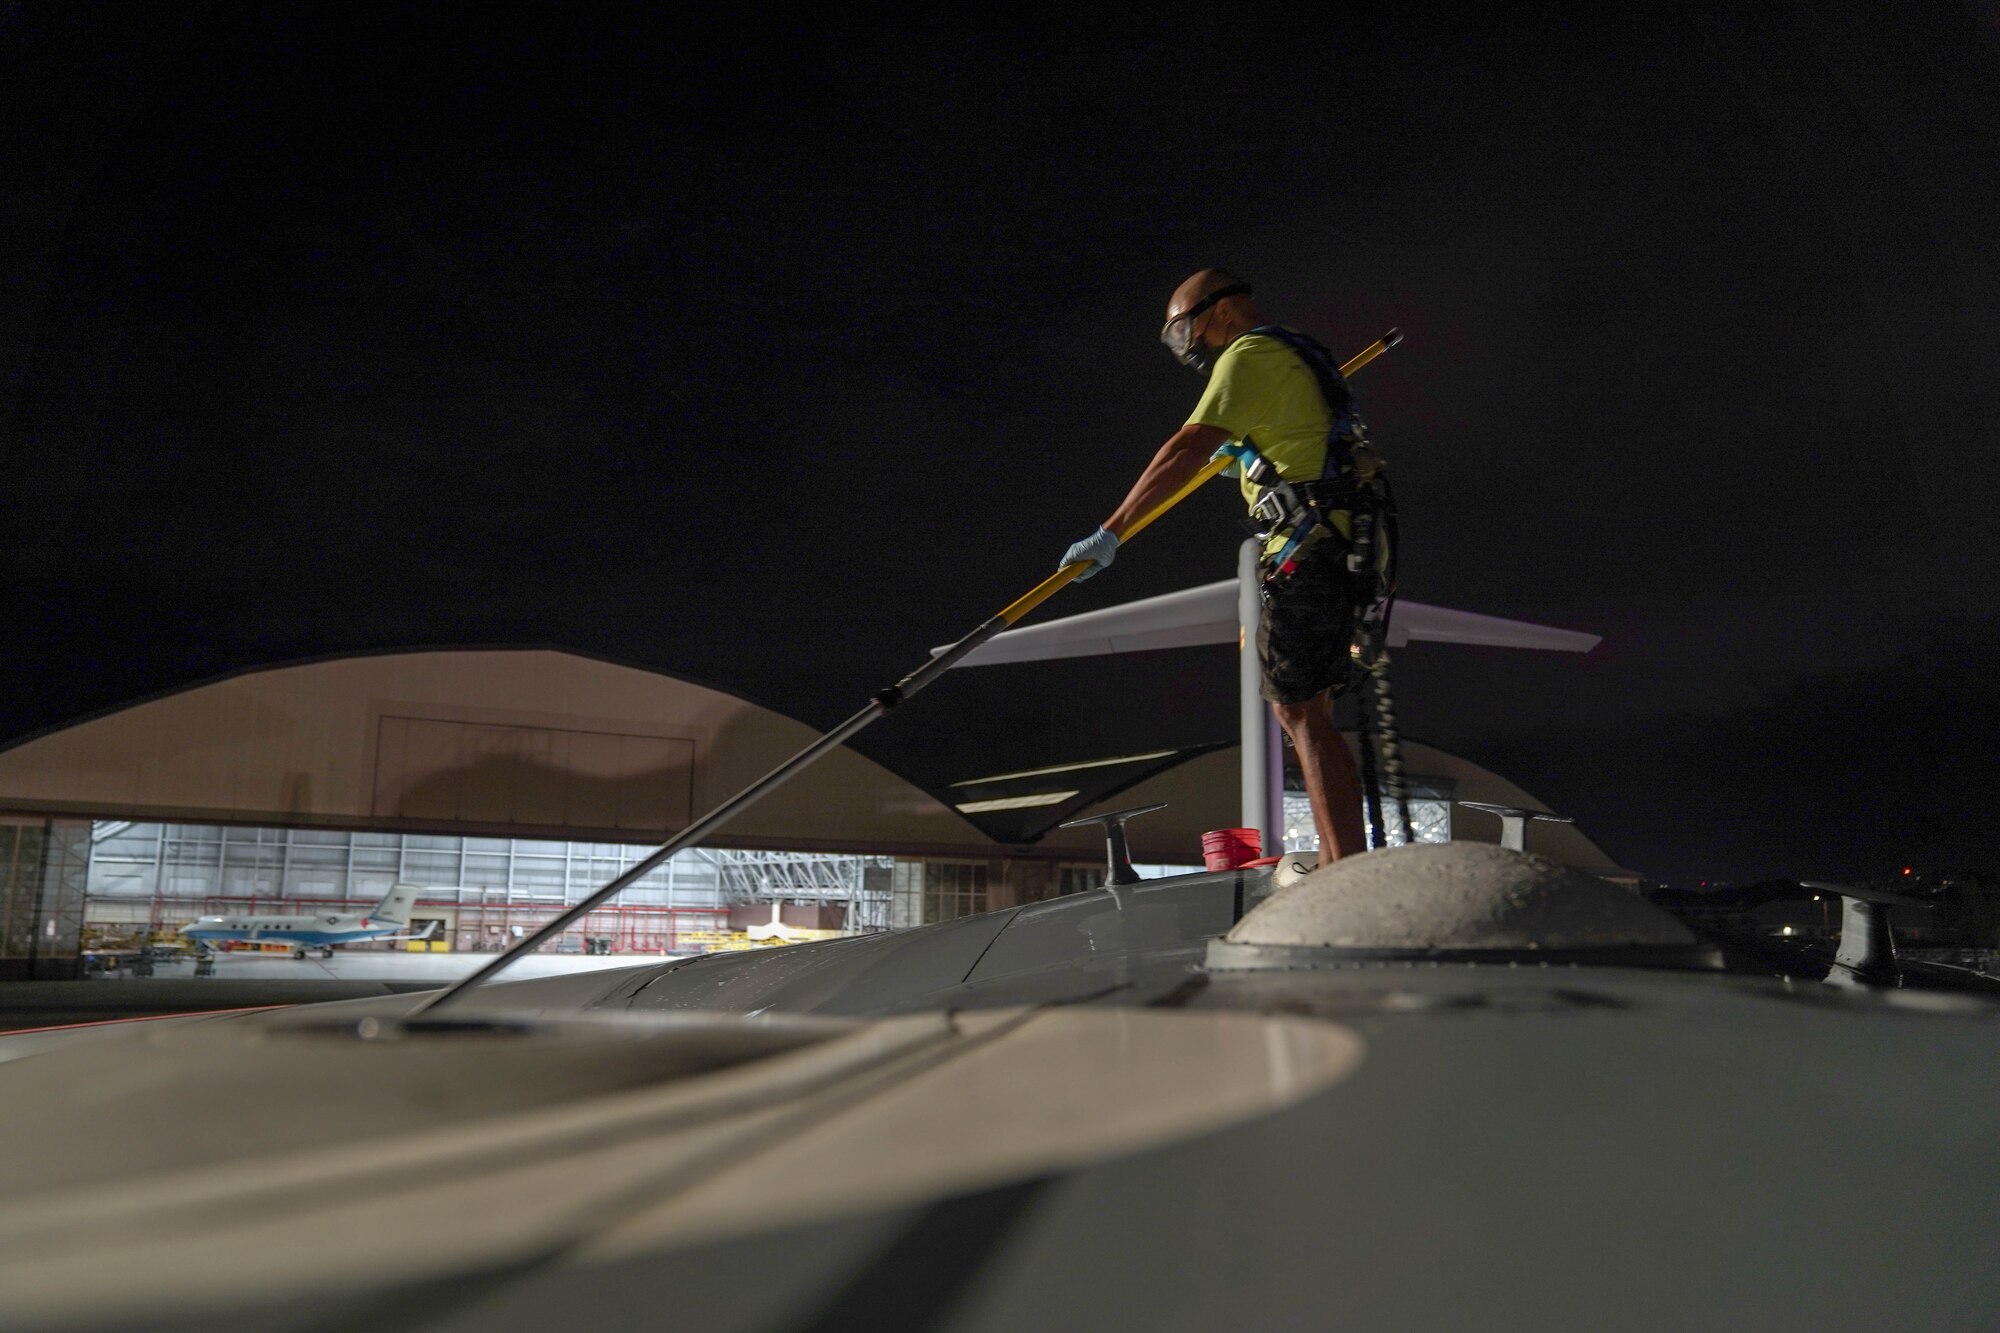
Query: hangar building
{"x": 510, "y": 782}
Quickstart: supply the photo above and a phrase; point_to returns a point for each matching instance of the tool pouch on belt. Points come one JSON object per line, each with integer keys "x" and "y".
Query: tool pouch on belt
{"x": 1368, "y": 556}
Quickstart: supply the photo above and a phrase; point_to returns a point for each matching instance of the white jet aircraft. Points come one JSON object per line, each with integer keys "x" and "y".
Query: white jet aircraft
{"x": 389, "y": 921}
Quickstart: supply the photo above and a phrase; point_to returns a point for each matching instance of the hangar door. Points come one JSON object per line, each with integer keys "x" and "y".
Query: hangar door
{"x": 432, "y": 768}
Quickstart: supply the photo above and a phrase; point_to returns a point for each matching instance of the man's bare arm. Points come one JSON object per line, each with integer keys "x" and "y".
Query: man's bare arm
{"x": 1178, "y": 460}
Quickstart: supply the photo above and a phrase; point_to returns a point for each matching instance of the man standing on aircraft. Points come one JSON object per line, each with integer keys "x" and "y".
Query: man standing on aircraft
{"x": 1269, "y": 402}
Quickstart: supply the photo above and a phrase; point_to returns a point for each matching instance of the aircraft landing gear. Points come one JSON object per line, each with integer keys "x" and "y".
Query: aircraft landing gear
{"x": 327, "y": 953}
{"x": 204, "y": 963}
{"x": 299, "y": 955}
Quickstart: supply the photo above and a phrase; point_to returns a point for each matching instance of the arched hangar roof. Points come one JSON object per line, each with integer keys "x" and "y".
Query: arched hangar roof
{"x": 531, "y": 743}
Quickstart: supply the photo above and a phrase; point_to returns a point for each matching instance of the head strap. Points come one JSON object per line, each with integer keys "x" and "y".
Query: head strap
{"x": 1219, "y": 294}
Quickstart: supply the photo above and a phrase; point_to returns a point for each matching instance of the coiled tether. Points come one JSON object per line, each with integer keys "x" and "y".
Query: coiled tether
{"x": 1382, "y": 704}
{"x": 1381, "y": 748}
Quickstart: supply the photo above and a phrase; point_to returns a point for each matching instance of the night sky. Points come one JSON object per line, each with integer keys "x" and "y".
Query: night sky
{"x": 770, "y": 355}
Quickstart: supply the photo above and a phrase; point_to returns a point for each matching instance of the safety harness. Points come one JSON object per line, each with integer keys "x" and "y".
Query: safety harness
{"x": 1351, "y": 481}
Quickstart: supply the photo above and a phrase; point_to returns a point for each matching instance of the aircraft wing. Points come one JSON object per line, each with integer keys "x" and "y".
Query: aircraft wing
{"x": 1207, "y": 614}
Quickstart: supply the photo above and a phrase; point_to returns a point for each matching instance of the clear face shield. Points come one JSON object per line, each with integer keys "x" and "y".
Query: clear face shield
{"x": 1179, "y": 334}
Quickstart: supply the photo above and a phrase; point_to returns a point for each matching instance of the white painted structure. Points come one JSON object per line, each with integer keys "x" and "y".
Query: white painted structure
{"x": 1229, "y": 612}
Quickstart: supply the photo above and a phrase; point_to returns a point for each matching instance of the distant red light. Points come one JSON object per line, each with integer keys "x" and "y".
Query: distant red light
{"x": 1906, "y": 870}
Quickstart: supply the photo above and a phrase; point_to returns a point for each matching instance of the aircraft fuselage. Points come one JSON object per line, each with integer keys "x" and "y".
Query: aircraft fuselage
{"x": 303, "y": 931}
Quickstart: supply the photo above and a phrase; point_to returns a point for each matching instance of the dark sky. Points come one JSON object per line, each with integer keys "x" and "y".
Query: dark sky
{"x": 771, "y": 354}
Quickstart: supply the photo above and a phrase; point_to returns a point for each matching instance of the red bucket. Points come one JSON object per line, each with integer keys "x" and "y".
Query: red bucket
{"x": 1229, "y": 848}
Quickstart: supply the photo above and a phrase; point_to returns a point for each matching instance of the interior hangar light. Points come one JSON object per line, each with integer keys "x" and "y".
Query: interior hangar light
{"x": 1063, "y": 768}
{"x": 1015, "y": 802}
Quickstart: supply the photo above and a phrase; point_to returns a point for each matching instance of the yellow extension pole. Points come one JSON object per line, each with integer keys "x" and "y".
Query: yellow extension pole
{"x": 1068, "y": 574}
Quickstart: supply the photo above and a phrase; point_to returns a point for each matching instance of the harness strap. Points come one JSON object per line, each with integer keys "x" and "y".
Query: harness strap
{"x": 1340, "y": 406}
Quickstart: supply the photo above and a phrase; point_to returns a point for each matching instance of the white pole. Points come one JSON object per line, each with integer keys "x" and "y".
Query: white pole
{"x": 1274, "y": 789}
{"x": 1263, "y": 759}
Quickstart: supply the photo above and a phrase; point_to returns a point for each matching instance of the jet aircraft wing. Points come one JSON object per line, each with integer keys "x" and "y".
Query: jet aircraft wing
{"x": 1206, "y": 615}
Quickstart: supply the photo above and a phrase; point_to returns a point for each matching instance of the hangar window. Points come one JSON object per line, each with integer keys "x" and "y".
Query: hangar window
{"x": 1430, "y": 816}
{"x": 953, "y": 889}
{"x": 1077, "y": 879}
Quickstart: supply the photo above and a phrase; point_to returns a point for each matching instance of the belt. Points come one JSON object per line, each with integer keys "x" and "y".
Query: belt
{"x": 1285, "y": 504}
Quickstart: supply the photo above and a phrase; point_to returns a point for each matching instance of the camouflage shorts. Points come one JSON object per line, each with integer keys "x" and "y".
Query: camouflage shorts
{"x": 1307, "y": 626}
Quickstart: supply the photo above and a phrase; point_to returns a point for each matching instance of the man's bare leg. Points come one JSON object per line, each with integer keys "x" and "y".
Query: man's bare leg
{"x": 1331, "y": 782}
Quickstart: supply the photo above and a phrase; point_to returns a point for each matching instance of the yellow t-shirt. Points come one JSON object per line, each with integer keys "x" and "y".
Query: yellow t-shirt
{"x": 1261, "y": 389}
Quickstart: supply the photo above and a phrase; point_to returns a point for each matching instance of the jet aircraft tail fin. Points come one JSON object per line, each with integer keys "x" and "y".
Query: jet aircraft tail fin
{"x": 395, "y": 905}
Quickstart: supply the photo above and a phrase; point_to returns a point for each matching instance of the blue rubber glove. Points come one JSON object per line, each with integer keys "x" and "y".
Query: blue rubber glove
{"x": 1100, "y": 547}
{"x": 1237, "y": 453}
